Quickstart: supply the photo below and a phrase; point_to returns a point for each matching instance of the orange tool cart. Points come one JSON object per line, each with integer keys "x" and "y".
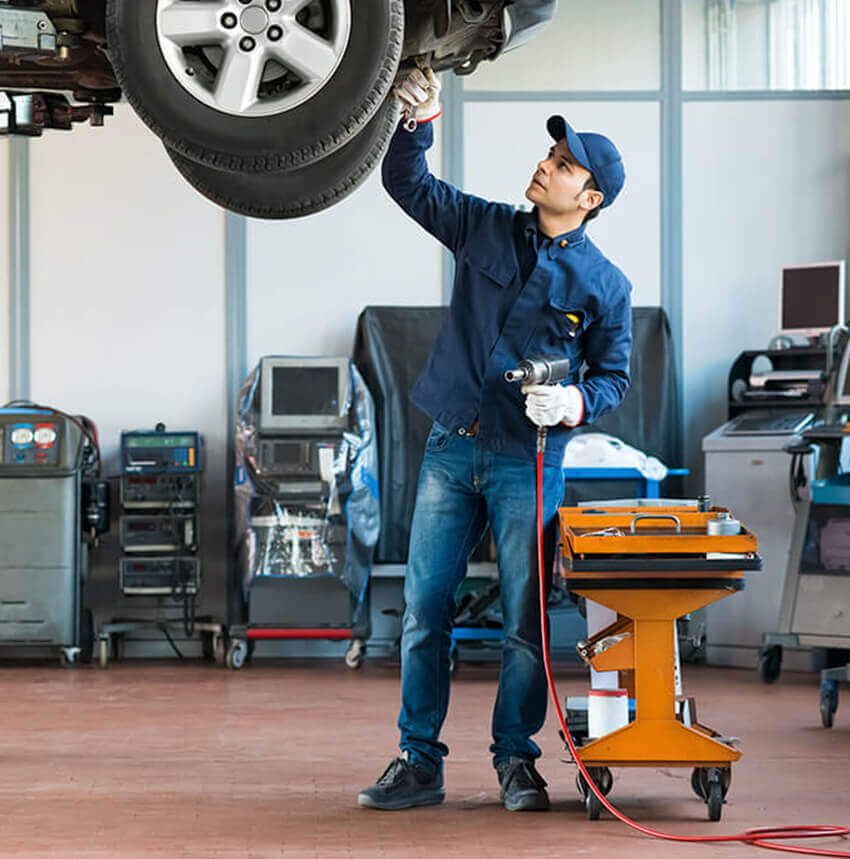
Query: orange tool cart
{"x": 652, "y": 566}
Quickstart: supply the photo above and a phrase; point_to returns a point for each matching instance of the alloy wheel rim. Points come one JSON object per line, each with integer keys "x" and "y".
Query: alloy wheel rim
{"x": 253, "y": 58}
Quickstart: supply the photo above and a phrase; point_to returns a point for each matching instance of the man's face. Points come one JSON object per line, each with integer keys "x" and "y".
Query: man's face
{"x": 557, "y": 185}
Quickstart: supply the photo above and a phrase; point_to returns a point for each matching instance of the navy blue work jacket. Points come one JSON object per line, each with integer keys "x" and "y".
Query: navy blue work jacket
{"x": 513, "y": 290}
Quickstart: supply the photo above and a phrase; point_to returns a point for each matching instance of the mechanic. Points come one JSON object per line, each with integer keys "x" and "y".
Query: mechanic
{"x": 526, "y": 284}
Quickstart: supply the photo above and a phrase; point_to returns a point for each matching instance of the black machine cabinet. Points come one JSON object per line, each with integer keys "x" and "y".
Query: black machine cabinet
{"x": 390, "y": 350}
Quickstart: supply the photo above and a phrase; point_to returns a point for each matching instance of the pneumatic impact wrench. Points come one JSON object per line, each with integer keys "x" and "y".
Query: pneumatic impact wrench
{"x": 540, "y": 371}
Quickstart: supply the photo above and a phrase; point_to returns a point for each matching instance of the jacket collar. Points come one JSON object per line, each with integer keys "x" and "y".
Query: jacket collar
{"x": 559, "y": 243}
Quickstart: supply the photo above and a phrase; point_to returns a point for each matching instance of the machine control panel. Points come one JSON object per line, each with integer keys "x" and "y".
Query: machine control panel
{"x": 171, "y": 533}
{"x": 30, "y": 441}
{"x": 153, "y": 452}
{"x": 159, "y": 576}
{"x": 172, "y": 491}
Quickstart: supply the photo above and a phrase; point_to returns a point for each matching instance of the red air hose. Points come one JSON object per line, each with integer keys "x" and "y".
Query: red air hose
{"x": 760, "y": 837}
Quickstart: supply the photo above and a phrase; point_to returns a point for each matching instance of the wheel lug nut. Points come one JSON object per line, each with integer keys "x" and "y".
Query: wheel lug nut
{"x": 247, "y": 43}
{"x": 228, "y": 20}
{"x": 273, "y": 5}
{"x": 275, "y": 33}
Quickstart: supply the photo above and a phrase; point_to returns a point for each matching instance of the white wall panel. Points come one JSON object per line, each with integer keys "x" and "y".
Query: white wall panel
{"x": 504, "y": 141}
{"x": 308, "y": 279}
{"x": 127, "y": 305}
{"x": 603, "y": 45}
{"x": 766, "y": 184}
{"x": 4, "y": 271}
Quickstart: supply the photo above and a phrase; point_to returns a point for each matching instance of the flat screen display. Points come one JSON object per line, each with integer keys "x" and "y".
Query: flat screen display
{"x": 305, "y": 391}
{"x": 811, "y": 298}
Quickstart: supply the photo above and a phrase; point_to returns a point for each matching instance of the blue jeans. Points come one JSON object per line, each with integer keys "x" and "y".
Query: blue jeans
{"x": 462, "y": 487}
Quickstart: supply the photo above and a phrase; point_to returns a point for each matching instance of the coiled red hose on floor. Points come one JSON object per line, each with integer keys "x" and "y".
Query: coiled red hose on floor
{"x": 760, "y": 837}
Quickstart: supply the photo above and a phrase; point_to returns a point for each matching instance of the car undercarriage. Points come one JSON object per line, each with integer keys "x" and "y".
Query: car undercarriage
{"x": 240, "y": 87}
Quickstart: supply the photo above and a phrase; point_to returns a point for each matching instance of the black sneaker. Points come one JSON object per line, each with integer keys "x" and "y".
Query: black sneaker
{"x": 403, "y": 785}
{"x": 523, "y": 788}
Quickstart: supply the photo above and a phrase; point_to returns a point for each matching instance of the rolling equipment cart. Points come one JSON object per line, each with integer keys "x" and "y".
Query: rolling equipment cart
{"x": 652, "y": 568}
{"x": 306, "y": 503}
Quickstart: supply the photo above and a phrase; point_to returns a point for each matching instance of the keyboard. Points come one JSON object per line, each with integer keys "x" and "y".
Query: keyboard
{"x": 770, "y": 423}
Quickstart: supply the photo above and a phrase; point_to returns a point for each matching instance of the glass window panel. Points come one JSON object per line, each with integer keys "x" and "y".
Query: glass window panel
{"x": 766, "y": 44}
{"x": 603, "y": 45}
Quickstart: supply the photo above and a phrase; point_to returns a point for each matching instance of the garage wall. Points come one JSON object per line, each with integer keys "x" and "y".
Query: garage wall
{"x": 503, "y": 141}
{"x": 766, "y": 184}
{"x": 309, "y": 279}
{"x": 127, "y": 312}
{"x": 127, "y": 304}
{"x": 4, "y": 271}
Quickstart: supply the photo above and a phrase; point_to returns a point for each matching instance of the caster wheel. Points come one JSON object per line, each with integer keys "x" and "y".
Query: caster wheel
{"x": 828, "y": 702}
{"x": 116, "y": 647}
{"x": 715, "y": 800}
{"x": 770, "y": 663}
{"x": 103, "y": 652}
{"x": 207, "y": 646}
{"x": 602, "y": 778}
{"x": 219, "y": 648}
{"x": 69, "y": 657}
{"x": 704, "y": 778}
{"x": 354, "y": 654}
{"x": 236, "y": 654}
{"x": 592, "y": 805}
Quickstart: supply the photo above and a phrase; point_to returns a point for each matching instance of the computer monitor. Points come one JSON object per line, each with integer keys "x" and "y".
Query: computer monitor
{"x": 811, "y": 298}
{"x": 303, "y": 395}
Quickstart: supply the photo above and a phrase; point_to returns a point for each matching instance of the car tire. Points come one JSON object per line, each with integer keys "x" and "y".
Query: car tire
{"x": 239, "y": 139}
{"x": 303, "y": 191}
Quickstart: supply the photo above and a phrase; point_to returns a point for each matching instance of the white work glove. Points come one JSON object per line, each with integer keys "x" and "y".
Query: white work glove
{"x": 548, "y": 405}
{"x": 419, "y": 94}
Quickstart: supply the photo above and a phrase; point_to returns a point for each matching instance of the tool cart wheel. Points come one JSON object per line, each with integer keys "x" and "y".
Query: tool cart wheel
{"x": 354, "y": 654}
{"x": 103, "y": 652}
{"x": 236, "y": 654}
{"x": 770, "y": 663}
{"x": 828, "y": 702}
{"x": 711, "y": 784}
{"x": 219, "y": 648}
{"x": 602, "y": 778}
{"x": 715, "y": 800}
{"x": 592, "y": 805}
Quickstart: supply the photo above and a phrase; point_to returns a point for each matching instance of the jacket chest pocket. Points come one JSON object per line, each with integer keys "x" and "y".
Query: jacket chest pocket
{"x": 562, "y": 326}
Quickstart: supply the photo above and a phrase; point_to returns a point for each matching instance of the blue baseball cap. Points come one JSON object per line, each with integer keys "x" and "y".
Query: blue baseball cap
{"x": 595, "y": 153}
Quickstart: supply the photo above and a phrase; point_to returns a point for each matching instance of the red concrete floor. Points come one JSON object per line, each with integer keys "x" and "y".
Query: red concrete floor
{"x": 189, "y": 760}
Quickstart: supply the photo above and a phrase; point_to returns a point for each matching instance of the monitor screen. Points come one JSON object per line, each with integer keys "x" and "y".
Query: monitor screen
{"x": 812, "y": 298}
{"x": 308, "y": 394}
{"x": 305, "y": 391}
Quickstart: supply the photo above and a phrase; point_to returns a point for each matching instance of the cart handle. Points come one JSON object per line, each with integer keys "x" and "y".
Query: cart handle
{"x": 656, "y": 516}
